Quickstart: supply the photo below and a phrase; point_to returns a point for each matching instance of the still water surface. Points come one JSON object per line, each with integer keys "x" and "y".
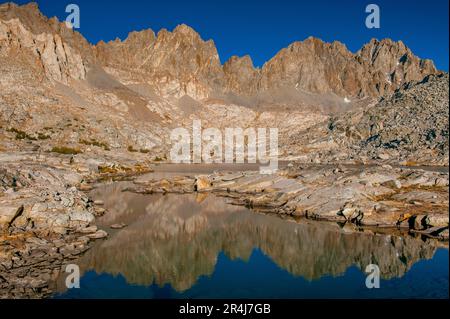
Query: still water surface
{"x": 198, "y": 246}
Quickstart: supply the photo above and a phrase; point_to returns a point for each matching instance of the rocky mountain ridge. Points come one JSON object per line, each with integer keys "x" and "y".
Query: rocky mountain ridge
{"x": 181, "y": 63}
{"x": 313, "y": 66}
{"x": 127, "y": 95}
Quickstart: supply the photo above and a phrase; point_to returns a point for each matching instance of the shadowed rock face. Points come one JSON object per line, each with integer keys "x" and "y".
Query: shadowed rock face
{"x": 176, "y": 239}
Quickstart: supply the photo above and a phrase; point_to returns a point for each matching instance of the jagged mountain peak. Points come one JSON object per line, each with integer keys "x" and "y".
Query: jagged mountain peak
{"x": 145, "y": 37}
{"x": 43, "y": 45}
{"x": 180, "y": 62}
{"x": 185, "y": 30}
{"x": 32, "y": 18}
{"x": 31, "y": 7}
{"x": 243, "y": 60}
{"x": 143, "y": 34}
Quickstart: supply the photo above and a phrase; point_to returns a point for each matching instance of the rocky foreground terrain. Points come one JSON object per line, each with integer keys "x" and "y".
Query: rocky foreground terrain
{"x": 366, "y": 133}
{"x": 374, "y": 196}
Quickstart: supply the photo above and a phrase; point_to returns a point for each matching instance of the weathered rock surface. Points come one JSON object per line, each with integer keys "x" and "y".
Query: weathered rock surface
{"x": 46, "y": 48}
{"x": 45, "y": 221}
{"x": 410, "y": 127}
{"x": 181, "y": 63}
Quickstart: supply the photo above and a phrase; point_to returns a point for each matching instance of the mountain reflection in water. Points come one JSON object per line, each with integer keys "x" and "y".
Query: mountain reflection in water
{"x": 179, "y": 241}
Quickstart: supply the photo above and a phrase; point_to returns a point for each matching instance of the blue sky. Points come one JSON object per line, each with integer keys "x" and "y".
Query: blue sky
{"x": 261, "y": 28}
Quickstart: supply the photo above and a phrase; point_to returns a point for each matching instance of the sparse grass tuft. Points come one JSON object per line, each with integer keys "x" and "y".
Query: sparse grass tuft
{"x": 65, "y": 150}
{"x": 158, "y": 159}
{"x": 107, "y": 170}
{"x": 94, "y": 142}
{"x": 115, "y": 169}
{"x": 21, "y": 135}
{"x": 42, "y": 136}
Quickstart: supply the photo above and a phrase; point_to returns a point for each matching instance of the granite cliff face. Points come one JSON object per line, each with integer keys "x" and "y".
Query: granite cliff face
{"x": 43, "y": 44}
{"x": 176, "y": 63}
{"x": 314, "y": 66}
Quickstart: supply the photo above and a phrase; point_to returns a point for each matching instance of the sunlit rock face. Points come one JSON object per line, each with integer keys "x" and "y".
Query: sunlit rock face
{"x": 181, "y": 63}
{"x": 176, "y": 239}
{"x": 319, "y": 67}
{"x": 59, "y": 61}
{"x": 177, "y": 63}
{"x": 43, "y": 43}
{"x": 132, "y": 92}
